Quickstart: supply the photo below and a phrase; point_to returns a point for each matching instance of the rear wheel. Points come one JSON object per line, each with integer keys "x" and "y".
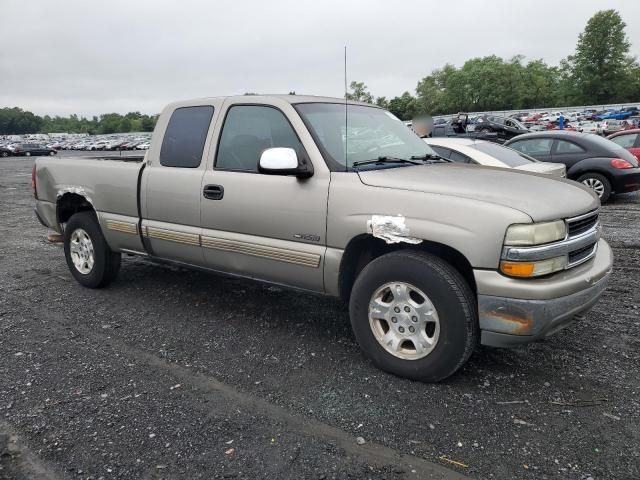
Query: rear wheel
{"x": 414, "y": 315}
{"x": 89, "y": 258}
{"x": 27, "y": 154}
{"x": 5, "y": 154}
{"x": 598, "y": 183}
{"x": 52, "y": 153}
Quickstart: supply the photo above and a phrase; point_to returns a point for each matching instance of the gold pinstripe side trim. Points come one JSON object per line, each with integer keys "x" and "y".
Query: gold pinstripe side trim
{"x": 124, "y": 227}
{"x": 272, "y": 253}
{"x": 172, "y": 236}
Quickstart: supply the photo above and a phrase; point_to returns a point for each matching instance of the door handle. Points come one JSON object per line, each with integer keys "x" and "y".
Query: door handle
{"x": 213, "y": 192}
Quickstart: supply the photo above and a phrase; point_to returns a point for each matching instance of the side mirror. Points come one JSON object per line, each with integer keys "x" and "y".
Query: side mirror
{"x": 283, "y": 161}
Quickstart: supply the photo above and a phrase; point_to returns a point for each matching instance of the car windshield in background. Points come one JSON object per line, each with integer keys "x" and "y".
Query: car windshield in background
{"x": 370, "y": 134}
{"x": 504, "y": 154}
{"x": 605, "y": 143}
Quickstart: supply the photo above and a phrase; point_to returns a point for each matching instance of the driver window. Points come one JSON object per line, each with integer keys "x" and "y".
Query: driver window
{"x": 249, "y": 130}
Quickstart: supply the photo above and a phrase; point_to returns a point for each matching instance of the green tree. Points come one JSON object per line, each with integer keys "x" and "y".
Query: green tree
{"x": 359, "y": 93}
{"x": 382, "y": 102}
{"x": 601, "y": 64}
{"x": 405, "y": 107}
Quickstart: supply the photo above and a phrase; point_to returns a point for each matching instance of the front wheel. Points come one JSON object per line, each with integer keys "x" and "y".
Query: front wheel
{"x": 414, "y": 315}
{"x": 52, "y": 152}
{"x": 90, "y": 260}
{"x": 27, "y": 154}
{"x": 598, "y": 183}
{"x": 5, "y": 154}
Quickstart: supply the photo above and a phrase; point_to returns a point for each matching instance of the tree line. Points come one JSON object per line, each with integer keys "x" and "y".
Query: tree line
{"x": 601, "y": 71}
{"x": 15, "y": 121}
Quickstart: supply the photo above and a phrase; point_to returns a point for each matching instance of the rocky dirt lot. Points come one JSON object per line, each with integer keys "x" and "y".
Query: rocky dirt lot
{"x": 176, "y": 374}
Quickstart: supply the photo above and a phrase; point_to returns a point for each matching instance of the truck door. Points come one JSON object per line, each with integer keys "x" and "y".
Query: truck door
{"x": 171, "y": 183}
{"x": 270, "y": 227}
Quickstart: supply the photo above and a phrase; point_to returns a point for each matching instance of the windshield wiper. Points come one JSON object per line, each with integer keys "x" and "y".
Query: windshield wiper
{"x": 431, "y": 158}
{"x": 386, "y": 159}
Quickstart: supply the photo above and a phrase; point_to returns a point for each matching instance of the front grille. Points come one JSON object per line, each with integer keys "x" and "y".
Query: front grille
{"x": 581, "y": 254}
{"x": 578, "y": 225}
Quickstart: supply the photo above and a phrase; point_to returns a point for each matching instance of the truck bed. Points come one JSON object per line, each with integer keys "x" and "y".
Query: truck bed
{"x": 109, "y": 183}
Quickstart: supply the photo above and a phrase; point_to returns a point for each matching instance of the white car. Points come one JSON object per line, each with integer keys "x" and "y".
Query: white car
{"x": 143, "y": 146}
{"x": 552, "y": 117}
{"x": 588, "y": 127}
{"x": 482, "y": 152}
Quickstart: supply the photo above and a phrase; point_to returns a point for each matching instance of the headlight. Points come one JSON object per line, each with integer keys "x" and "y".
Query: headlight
{"x": 535, "y": 233}
{"x": 533, "y": 269}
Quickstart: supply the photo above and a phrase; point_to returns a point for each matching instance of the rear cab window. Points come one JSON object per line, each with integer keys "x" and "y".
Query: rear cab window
{"x": 185, "y": 136}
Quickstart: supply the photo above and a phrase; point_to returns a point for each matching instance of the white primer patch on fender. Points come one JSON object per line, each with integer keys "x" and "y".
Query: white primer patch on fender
{"x": 390, "y": 229}
{"x": 77, "y": 190}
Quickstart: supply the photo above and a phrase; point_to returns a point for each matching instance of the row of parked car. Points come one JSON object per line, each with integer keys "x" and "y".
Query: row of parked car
{"x": 603, "y": 122}
{"x": 600, "y": 122}
{"x": 92, "y": 143}
{"x": 102, "y": 144}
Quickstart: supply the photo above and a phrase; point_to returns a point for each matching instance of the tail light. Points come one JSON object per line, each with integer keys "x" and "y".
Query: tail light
{"x": 620, "y": 163}
{"x": 34, "y": 189}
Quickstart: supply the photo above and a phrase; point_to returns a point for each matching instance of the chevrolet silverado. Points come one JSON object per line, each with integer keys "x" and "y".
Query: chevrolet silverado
{"x": 433, "y": 257}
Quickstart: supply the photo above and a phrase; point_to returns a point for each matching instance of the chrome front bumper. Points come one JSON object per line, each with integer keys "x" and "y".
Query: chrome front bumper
{"x": 513, "y": 311}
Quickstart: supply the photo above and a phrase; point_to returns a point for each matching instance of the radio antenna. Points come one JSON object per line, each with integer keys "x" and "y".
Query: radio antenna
{"x": 346, "y": 92}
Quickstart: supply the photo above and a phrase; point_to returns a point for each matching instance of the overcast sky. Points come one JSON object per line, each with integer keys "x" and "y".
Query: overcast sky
{"x": 92, "y": 57}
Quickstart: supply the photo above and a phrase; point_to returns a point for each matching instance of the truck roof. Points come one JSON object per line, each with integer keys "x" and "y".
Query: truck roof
{"x": 292, "y": 99}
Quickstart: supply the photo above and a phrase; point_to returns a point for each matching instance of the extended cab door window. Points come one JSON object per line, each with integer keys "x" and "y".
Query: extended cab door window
{"x": 184, "y": 138}
{"x": 249, "y": 130}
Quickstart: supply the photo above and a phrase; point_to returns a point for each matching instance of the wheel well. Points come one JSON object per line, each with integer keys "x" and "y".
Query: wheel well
{"x": 604, "y": 173}
{"x": 362, "y": 249}
{"x": 71, "y": 203}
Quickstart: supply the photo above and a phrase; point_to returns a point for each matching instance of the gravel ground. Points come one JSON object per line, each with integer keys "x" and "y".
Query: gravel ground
{"x": 176, "y": 374}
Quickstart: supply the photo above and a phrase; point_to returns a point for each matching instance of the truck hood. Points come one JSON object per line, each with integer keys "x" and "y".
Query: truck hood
{"x": 539, "y": 196}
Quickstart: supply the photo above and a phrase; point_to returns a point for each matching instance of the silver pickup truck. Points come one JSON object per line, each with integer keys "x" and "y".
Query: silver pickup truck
{"x": 433, "y": 257}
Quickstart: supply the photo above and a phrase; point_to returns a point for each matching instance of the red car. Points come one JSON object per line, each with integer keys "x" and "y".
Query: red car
{"x": 629, "y": 139}
{"x": 534, "y": 117}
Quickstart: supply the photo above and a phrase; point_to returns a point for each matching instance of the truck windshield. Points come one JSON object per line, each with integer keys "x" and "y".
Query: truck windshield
{"x": 368, "y": 133}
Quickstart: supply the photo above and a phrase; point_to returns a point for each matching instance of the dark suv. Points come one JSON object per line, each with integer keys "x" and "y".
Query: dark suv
{"x": 598, "y": 163}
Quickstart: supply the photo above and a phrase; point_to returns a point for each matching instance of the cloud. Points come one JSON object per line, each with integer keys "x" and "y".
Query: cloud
{"x": 77, "y": 56}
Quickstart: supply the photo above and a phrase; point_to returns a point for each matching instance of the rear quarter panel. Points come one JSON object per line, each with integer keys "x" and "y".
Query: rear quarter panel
{"x": 110, "y": 186}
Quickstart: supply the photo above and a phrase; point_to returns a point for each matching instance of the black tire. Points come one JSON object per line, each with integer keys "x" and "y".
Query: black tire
{"x": 5, "y": 154}
{"x": 596, "y": 177}
{"x": 52, "y": 153}
{"x": 27, "y": 154}
{"x": 450, "y": 294}
{"x": 484, "y": 130}
{"x": 106, "y": 262}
